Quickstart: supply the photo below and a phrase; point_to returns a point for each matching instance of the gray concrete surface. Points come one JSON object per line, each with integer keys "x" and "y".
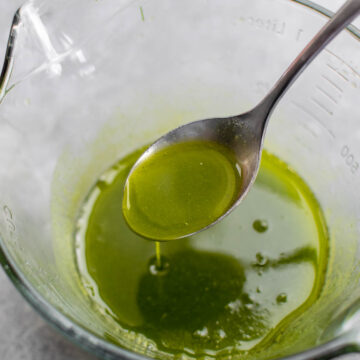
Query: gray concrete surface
{"x": 24, "y": 335}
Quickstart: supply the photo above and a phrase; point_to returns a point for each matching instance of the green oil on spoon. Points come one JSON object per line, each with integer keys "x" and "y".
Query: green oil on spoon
{"x": 181, "y": 189}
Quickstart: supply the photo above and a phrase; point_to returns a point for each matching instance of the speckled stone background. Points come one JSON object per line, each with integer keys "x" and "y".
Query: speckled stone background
{"x": 24, "y": 335}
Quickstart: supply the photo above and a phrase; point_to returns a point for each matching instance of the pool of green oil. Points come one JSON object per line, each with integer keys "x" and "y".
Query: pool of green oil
{"x": 181, "y": 189}
{"x": 230, "y": 289}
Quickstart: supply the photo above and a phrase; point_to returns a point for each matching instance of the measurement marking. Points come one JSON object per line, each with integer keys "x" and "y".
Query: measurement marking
{"x": 322, "y": 106}
{"x": 12, "y": 126}
{"x": 7, "y": 212}
{"x": 337, "y": 72}
{"x": 345, "y": 63}
{"x": 310, "y": 130}
{"x": 336, "y": 86}
{"x": 301, "y": 141}
{"x": 326, "y": 94}
{"x": 306, "y": 111}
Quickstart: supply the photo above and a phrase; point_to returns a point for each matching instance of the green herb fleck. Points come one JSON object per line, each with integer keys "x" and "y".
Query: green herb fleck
{"x": 142, "y": 13}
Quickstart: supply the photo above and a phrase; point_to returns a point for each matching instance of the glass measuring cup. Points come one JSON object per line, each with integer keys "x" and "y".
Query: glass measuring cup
{"x": 90, "y": 84}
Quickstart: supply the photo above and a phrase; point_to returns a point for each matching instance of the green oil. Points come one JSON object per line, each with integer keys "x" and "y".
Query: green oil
{"x": 181, "y": 189}
{"x": 230, "y": 289}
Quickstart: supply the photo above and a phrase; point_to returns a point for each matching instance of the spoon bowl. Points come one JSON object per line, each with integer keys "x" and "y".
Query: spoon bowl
{"x": 239, "y": 133}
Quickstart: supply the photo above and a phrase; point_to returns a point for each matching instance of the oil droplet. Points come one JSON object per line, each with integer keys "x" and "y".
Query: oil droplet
{"x": 204, "y": 332}
{"x": 260, "y": 225}
{"x": 250, "y": 306}
{"x": 102, "y": 185}
{"x": 156, "y": 270}
{"x": 219, "y": 336}
{"x": 261, "y": 260}
{"x": 281, "y": 298}
{"x": 234, "y": 306}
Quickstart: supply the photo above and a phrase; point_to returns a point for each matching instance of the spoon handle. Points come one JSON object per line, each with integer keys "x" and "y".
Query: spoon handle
{"x": 339, "y": 21}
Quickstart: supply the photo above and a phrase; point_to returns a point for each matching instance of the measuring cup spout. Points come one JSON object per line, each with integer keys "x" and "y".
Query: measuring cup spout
{"x": 43, "y": 34}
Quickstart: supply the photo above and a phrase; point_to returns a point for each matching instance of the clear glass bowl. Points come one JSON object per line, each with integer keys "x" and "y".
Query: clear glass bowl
{"x": 86, "y": 82}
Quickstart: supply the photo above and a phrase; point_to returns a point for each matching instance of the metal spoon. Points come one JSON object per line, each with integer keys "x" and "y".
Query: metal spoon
{"x": 244, "y": 134}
